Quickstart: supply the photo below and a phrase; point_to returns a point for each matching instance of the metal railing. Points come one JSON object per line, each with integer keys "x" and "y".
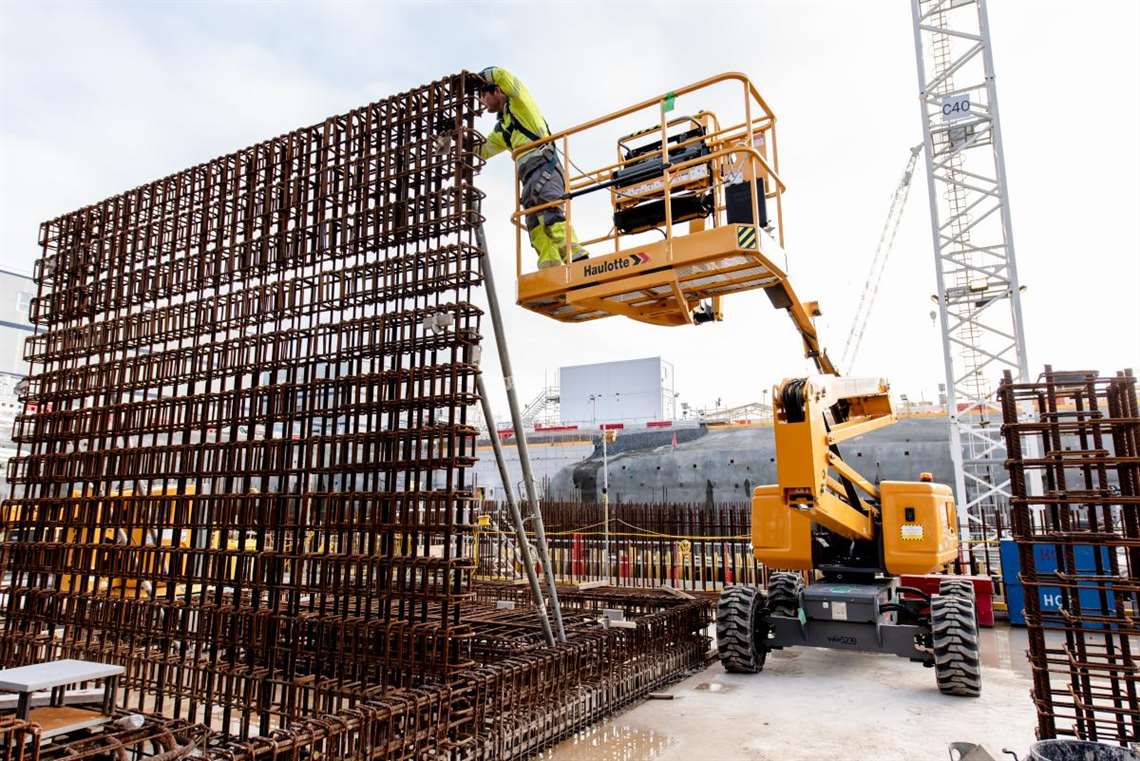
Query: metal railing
{"x": 685, "y": 546}
{"x": 737, "y": 142}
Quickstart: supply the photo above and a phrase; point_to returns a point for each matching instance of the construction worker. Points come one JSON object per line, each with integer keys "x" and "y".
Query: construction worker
{"x": 520, "y": 122}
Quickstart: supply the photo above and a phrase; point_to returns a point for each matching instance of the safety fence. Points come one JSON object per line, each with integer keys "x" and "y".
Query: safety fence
{"x": 1077, "y": 435}
{"x": 686, "y": 546}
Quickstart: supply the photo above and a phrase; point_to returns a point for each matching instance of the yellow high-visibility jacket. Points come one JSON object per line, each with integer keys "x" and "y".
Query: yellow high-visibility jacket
{"x": 520, "y": 122}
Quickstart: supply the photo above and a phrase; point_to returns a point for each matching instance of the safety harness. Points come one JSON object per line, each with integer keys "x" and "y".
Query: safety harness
{"x": 544, "y": 155}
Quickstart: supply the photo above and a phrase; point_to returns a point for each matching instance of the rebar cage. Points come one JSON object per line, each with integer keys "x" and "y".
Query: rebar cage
{"x": 1079, "y": 545}
{"x": 242, "y": 468}
{"x": 242, "y": 461}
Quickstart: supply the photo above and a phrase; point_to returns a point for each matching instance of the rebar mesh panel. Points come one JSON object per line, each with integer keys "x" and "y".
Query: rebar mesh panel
{"x": 241, "y": 467}
{"x": 1081, "y": 610}
{"x": 520, "y": 696}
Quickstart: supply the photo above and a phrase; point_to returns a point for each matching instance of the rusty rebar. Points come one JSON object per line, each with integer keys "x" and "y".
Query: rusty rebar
{"x": 242, "y": 460}
{"x": 1086, "y": 675}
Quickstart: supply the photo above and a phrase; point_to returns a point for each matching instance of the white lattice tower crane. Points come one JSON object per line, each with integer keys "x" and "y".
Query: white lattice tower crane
{"x": 978, "y": 290}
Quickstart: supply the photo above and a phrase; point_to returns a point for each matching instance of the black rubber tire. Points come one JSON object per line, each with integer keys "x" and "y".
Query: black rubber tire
{"x": 739, "y": 616}
{"x": 784, "y": 590}
{"x": 960, "y": 587}
{"x": 954, "y": 634}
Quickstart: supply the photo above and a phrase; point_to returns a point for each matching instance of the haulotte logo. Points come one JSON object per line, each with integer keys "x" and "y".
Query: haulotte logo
{"x": 631, "y": 260}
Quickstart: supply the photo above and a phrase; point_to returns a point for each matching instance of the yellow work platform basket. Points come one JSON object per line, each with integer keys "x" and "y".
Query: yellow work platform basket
{"x": 695, "y": 213}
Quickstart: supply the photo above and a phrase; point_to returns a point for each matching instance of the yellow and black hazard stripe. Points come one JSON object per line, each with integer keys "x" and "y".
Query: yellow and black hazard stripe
{"x": 746, "y": 236}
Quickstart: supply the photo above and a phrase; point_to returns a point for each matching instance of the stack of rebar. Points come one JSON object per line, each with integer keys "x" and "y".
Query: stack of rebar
{"x": 242, "y": 462}
{"x": 520, "y": 696}
{"x": 525, "y": 697}
{"x": 1078, "y": 536}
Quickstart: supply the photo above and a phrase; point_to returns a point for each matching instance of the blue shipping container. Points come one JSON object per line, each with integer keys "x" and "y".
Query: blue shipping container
{"x": 1049, "y": 598}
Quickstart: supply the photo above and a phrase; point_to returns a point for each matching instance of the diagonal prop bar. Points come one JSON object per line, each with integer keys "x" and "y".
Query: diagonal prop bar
{"x": 520, "y": 436}
{"x": 516, "y": 515}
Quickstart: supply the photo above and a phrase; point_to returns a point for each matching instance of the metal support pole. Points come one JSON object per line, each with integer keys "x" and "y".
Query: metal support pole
{"x": 516, "y": 515}
{"x": 606, "y": 504}
{"x": 520, "y": 437}
{"x": 979, "y": 293}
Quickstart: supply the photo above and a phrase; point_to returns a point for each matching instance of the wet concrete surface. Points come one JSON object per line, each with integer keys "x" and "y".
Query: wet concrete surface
{"x": 820, "y": 704}
{"x": 612, "y": 741}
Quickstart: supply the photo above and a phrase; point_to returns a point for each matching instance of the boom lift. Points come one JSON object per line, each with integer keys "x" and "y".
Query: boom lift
{"x": 824, "y": 518}
{"x": 695, "y": 213}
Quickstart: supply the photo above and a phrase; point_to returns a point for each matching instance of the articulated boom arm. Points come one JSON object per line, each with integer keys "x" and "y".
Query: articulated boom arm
{"x": 803, "y": 317}
{"x": 896, "y": 526}
{"x": 812, "y": 478}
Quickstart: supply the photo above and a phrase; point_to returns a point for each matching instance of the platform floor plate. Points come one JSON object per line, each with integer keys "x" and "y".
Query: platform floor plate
{"x": 659, "y": 283}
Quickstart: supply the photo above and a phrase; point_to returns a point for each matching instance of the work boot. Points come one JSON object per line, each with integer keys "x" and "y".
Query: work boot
{"x": 557, "y": 234}
{"x": 578, "y": 254}
{"x": 548, "y": 254}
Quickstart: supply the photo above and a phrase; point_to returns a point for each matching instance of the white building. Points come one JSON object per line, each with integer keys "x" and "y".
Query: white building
{"x": 632, "y": 390}
{"x": 16, "y": 292}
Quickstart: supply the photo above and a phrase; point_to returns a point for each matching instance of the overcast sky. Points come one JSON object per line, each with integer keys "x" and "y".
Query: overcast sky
{"x": 101, "y": 97}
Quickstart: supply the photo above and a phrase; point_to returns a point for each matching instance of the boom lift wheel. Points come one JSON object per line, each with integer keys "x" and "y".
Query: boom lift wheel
{"x": 740, "y": 630}
{"x": 784, "y": 591}
{"x": 954, "y": 631}
{"x": 960, "y": 587}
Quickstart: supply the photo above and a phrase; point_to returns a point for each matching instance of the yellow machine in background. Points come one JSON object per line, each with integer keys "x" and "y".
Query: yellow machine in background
{"x": 688, "y": 223}
{"x": 141, "y": 562}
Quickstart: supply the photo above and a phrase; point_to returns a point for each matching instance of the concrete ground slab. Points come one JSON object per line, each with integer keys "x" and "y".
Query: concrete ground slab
{"x": 822, "y": 705}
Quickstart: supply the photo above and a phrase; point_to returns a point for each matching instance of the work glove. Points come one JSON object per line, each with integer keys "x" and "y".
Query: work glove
{"x": 444, "y": 131}
{"x": 442, "y": 143}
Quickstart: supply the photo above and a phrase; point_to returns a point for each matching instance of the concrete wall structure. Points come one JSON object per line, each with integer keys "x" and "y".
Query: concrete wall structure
{"x": 547, "y": 460}
{"x": 16, "y": 293}
{"x": 707, "y": 464}
{"x": 724, "y": 464}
